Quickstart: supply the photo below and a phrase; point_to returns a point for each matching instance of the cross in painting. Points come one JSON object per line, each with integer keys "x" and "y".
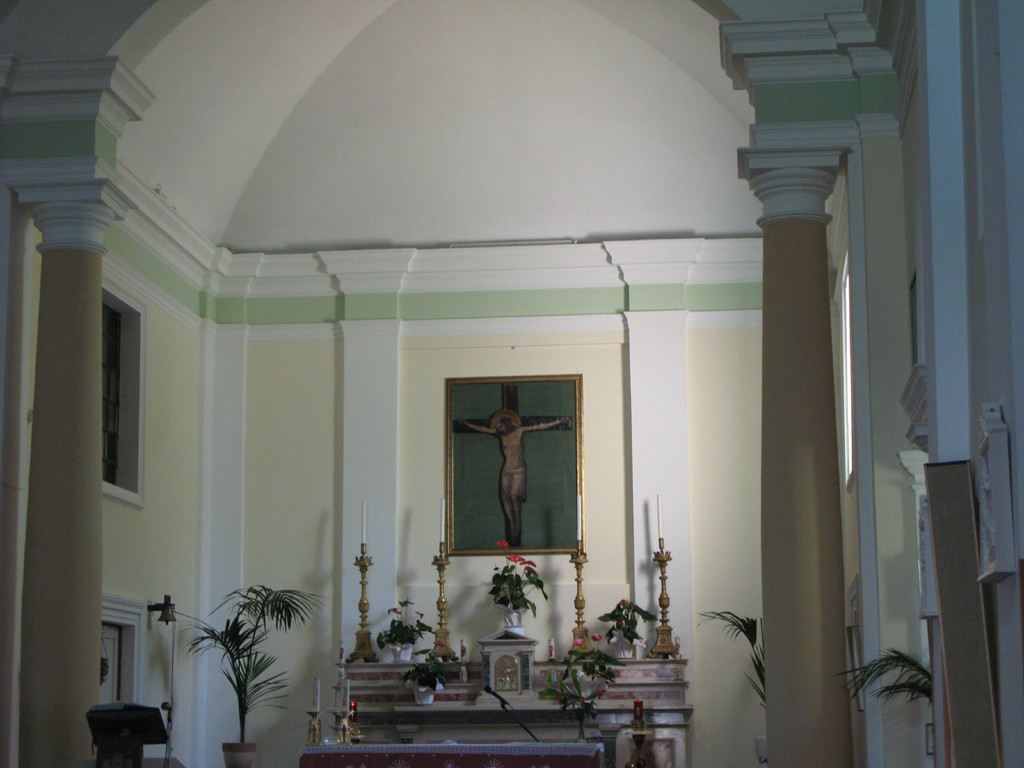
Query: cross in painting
{"x": 509, "y": 427}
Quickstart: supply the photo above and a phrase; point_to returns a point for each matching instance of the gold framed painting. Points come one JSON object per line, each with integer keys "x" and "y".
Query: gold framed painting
{"x": 514, "y": 464}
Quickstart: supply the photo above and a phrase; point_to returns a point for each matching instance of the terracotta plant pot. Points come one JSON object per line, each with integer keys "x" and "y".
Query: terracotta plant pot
{"x": 238, "y": 754}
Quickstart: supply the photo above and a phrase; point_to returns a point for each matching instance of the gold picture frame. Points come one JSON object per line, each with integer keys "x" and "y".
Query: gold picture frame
{"x": 514, "y": 454}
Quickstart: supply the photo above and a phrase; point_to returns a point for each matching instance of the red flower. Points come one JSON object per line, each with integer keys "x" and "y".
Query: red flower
{"x": 595, "y": 636}
{"x": 502, "y": 543}
{"x": 578, "y": 641}
{"x": 515, "y": 559}
{"x": 438, "y": 644}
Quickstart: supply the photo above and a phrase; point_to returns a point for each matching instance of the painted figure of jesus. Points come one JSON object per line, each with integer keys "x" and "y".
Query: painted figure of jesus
{"x": 506, "y": 425}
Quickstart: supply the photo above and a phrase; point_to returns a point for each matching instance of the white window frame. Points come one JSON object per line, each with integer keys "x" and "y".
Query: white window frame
{"x": 132, "y": 422}
{"x": 131, "y": 616}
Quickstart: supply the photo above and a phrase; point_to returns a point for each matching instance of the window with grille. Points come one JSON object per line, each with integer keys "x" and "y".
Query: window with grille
{"x": 123, "y": 387}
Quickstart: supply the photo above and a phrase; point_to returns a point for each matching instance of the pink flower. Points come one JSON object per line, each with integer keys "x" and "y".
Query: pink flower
{"x": 502, "y": 543}
{"x": 577, "y": 642}
{"x": 595, "y": 636}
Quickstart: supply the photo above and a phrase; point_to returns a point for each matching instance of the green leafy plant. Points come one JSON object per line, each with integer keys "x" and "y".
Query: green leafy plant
{"x": 428, "y": 673}
{"x": 736, "y": 626}
{"x": 624, "y": 618}
{"x": 401, "y": 631}
{"x": 510, "y": 586}
{"x": 595, "y": 664}
{"x": 254, "y": 611}
{"x": 573, "y": 688}
{"x": 913, "y": 679}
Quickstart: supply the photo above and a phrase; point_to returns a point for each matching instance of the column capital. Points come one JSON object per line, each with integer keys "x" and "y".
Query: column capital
{"x": 72, "y": 224}
{"x": 791, "y": 184}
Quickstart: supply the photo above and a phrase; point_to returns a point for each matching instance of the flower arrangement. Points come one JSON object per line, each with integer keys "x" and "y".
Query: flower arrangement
{"x": 624, "y": 618}
{"x": 401, "y": 631}
{"x": 428, "y": 673}
{"x": 571, "y": 690}
{"x": 510, "y": 586}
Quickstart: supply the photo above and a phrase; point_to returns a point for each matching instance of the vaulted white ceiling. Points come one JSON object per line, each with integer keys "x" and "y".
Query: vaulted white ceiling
{"x": 285, "y": 125}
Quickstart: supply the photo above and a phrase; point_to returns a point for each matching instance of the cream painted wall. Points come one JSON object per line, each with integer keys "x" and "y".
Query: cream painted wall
{"x": 425, "y": 366}
{"x": 151, "y": 552}
{"x": 291, "y": 431}
{"x": 724, "y": 397}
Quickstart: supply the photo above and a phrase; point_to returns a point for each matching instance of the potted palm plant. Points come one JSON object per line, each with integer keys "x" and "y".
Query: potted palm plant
{"x": 246, "y": 665}
{"x": 912, "y": 678}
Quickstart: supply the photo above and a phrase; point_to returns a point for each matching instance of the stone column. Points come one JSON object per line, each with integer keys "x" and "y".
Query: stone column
{"x": 808, "y": 719}
{"x": 62, "y": 590}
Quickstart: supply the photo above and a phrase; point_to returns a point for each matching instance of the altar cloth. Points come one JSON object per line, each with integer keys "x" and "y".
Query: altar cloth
{"x": 508, "y": 755}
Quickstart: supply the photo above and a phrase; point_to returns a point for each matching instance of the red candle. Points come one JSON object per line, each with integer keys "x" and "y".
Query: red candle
{"x": 638, "y": 709}
{"x": 353, "y": 715}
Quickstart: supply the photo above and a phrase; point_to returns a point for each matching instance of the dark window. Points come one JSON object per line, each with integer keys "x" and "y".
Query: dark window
{"x": 111, "y": 390}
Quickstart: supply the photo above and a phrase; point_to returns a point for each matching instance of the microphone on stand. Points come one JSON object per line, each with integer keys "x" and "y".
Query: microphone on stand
{"x": 509, "y": 710}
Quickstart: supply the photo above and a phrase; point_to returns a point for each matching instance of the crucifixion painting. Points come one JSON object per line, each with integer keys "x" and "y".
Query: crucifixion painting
{"x": 528, "y": 416}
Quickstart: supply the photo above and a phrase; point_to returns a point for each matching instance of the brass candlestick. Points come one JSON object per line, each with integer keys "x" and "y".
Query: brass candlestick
{"x": 639, "y": 737}
{"x": 343, "y": 728}
{"x": 580, "y": 632}
{"x": 442, "y": 649}
{"x": 313, "y": 728}
{"x": 363, "y": 650}
{"x": 663, "y": 648}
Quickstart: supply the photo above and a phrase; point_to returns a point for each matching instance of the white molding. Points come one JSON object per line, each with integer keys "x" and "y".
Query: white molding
{"x": 294, "y": 332}
{"x": 510, "y": 268}
{"x": 132, "y": 614}
{"x": 822, "y": 134}
{"x": 489, "y": 326}
{"x": 793, "y": 193}
{"x": 368, "y": 271}
{"x": 806, "y": 68}
{"x": 100, "y": 88}
{"x": 72, "y": 224}
{"x": 129, "y": 279}
{"x": 727, "y": 318}
{"x": 871, "y": 60}
{"x": 878, "y": 125}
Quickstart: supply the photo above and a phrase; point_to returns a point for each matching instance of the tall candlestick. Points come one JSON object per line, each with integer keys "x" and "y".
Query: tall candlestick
{"x": 661, "y": 526}
{"x": 579, "y": 518}
{"x": 364, "y": 521}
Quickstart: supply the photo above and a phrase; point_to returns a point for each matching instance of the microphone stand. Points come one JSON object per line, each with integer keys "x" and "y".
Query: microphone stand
{"x": 509, "y": 710}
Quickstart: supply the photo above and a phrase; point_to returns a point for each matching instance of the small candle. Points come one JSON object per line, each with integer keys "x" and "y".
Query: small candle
{"x": 579, "y": 518}
{"x": 442, "y": 521}
{"x": 678, "y": 655}
{"x": 638, "y": 709}
{"x": 462, "y": 651}
{"x": 353, "y": 714}
{"x": 316, "y": 693}
{"x": 661, "y": 527}
{"x": 364, "y": 521}
{"x": 341, "y": 652}
{"x": 551, "y": 648}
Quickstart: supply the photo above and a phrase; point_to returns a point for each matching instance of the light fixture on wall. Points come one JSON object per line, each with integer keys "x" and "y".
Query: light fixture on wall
{"x": 166, "y": 609}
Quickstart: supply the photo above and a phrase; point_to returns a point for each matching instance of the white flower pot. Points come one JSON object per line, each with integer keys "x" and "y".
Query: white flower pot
{"x": 623, "y": 648}
{"x": 761, "y": 749}
{"x": 513, "y": 621}
{"x": 401, "y": 653}
{"x": 425, "y": 695}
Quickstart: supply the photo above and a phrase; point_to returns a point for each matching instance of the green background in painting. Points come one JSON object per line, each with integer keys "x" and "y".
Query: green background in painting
{"x": 549, "y": 513}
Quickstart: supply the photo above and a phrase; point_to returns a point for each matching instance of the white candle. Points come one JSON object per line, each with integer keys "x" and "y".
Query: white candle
{"x": 462, "y": 651}
{"x": 364, "y": 521}
{"x": 551, "y": 648}
{"x": 316, "y": 693}
{"x": 661, "y": 527}
{"x": 579, "y": 518}
{"x": 442, "y": 521}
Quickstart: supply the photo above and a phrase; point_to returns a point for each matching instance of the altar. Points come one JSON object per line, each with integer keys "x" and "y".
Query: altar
{"x": 510, "y": 755}
{"x": 465, "y": 713}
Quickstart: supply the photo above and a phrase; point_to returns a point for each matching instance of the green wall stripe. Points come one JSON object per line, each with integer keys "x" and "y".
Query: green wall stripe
{"x": 54, "y": 138}
{"x": 529, "y": 303}
{"x": 128, "y": 248}
{"x": 289, "y": 309}
{"x": 370, "y": 306}
{"x": 699, "y": 297}
{"x": 835, "y": 100}
{"x": 106, "y": 145}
